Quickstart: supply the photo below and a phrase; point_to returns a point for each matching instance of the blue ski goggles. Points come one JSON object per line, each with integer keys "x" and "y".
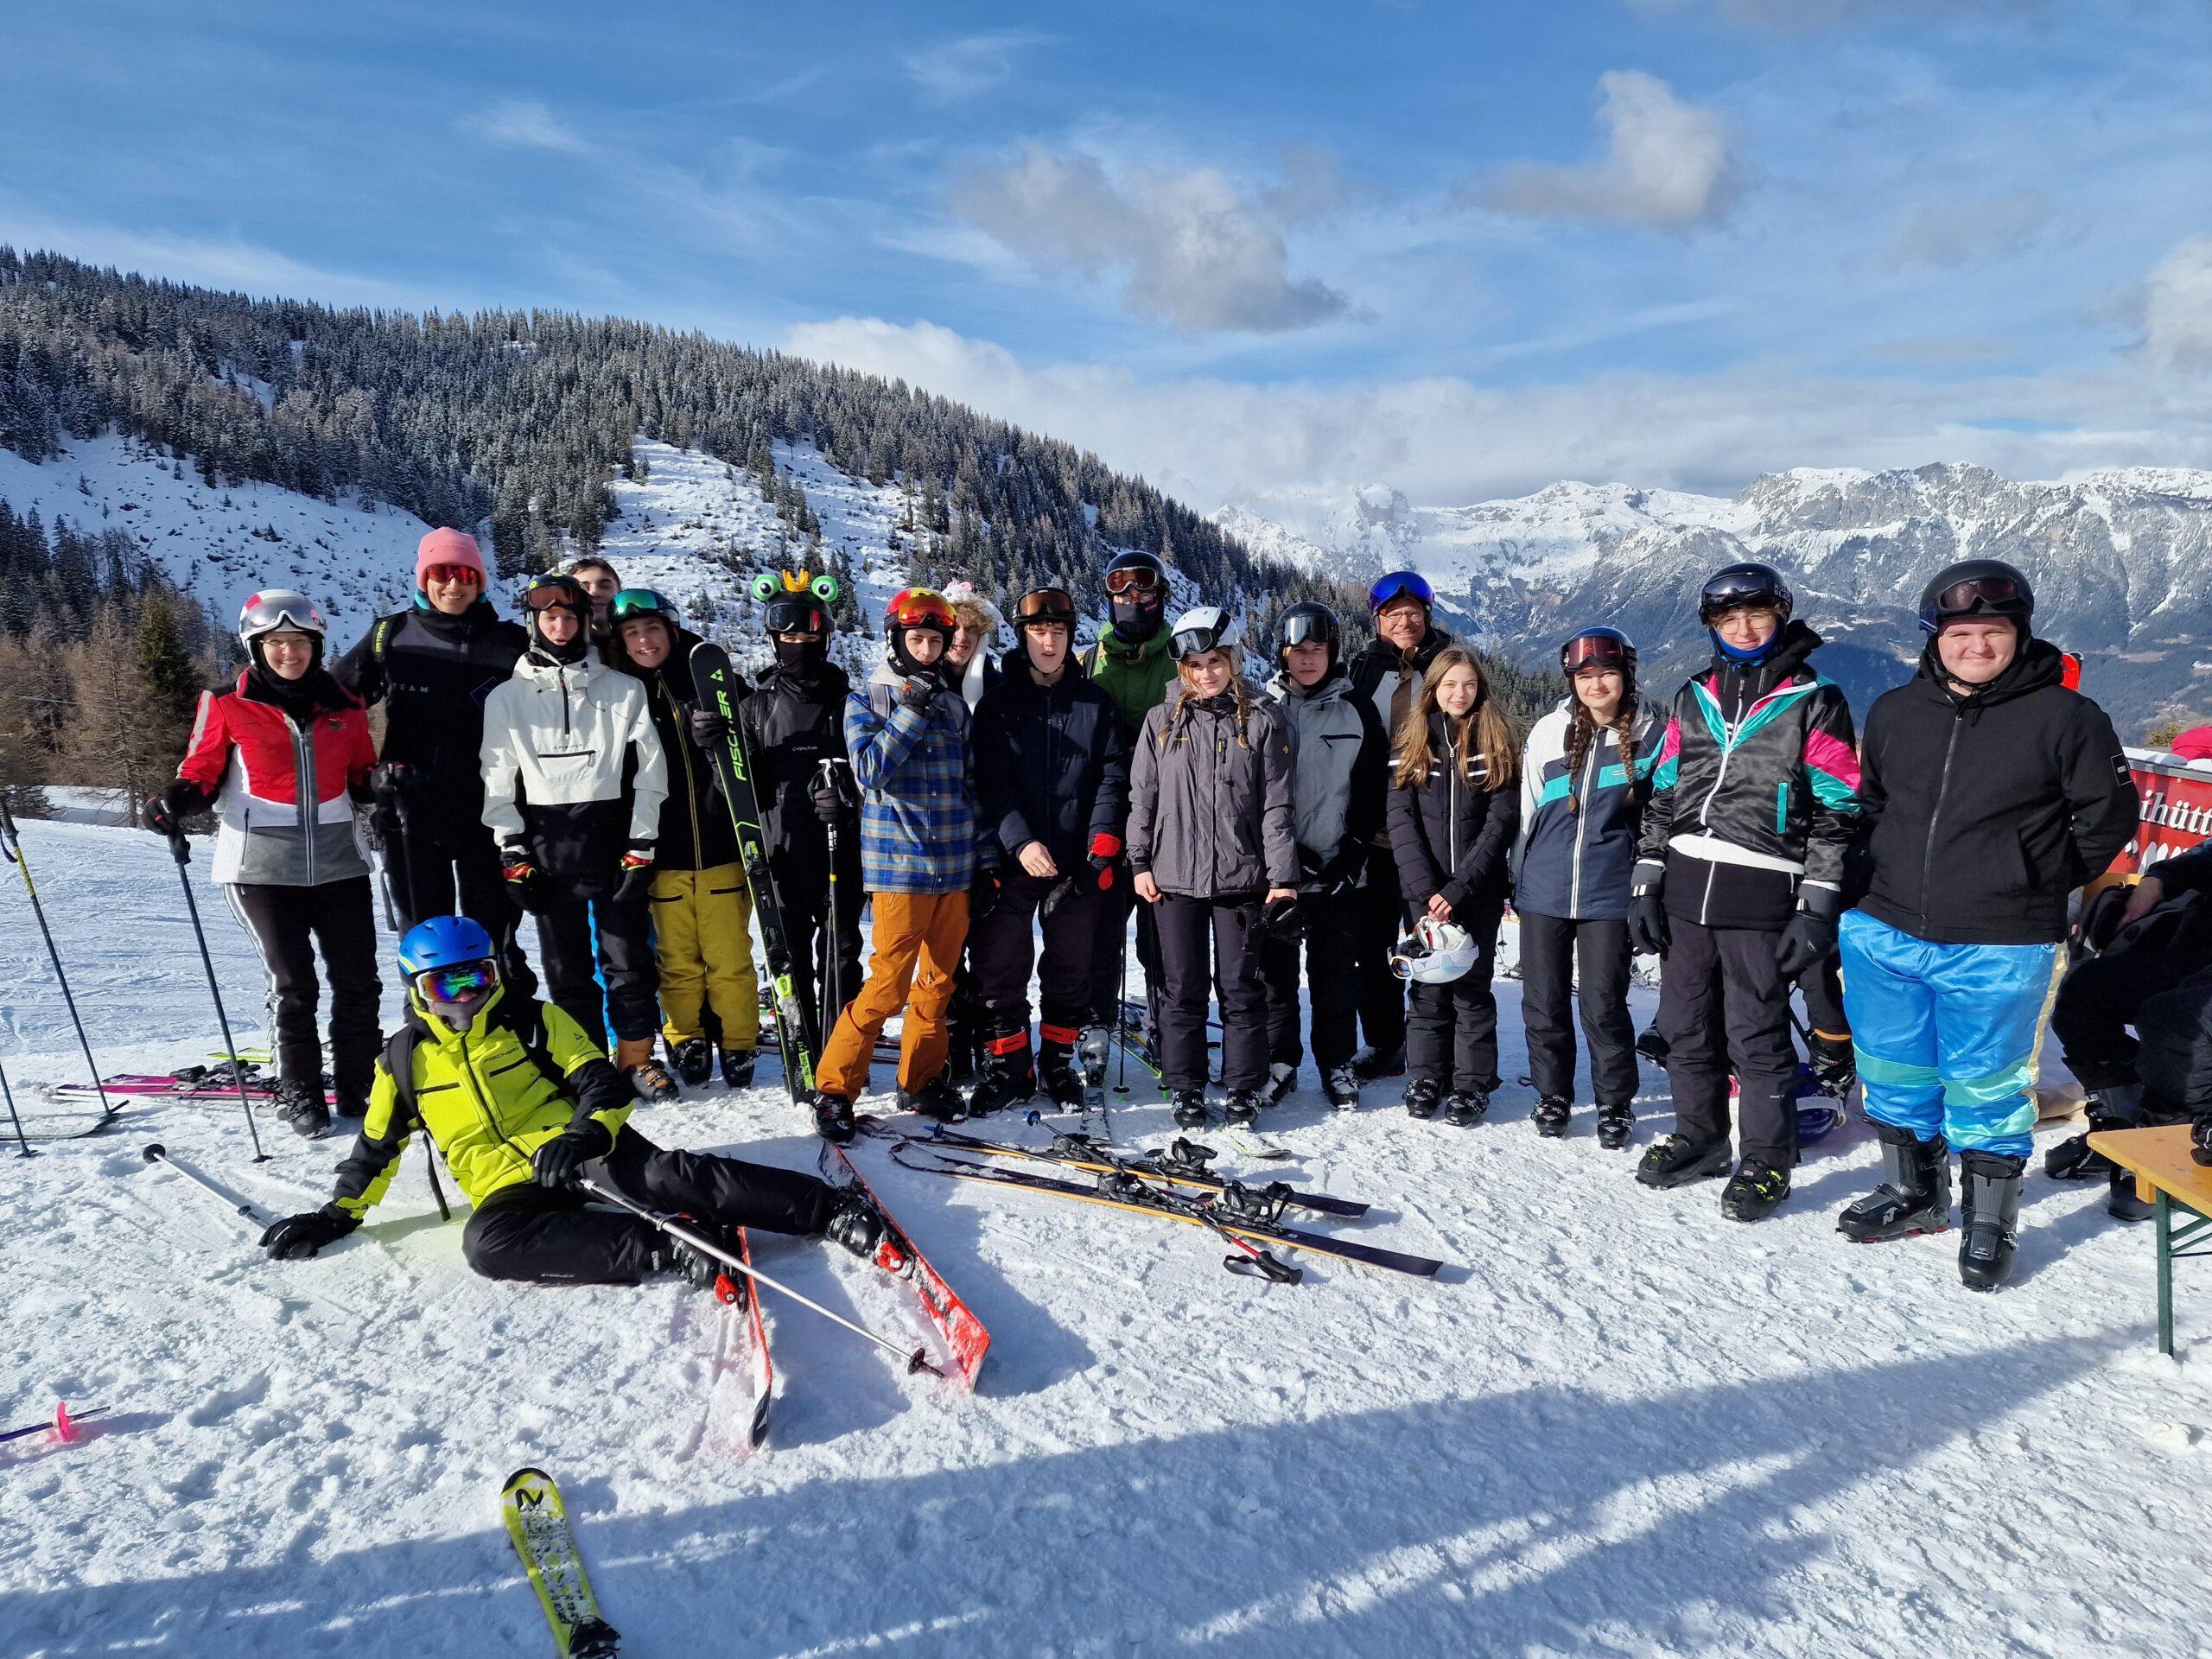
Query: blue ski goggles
{"x": 457, "y": 984}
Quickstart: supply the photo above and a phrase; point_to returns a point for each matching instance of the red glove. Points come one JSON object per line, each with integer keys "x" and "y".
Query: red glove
{"x": 1104, "y": 849}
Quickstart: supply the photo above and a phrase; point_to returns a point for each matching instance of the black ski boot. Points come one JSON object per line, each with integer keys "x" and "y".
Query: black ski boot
{"x": 1991, "y": 1208}
{"x": 350, "y": 1103}
{"x": 833, "y": 1118}
{"x": 1915, "y": 1196}
{"x": 1058, "y": 1075}
{"x": 1009, "y": 1076}
{"x": 1754, "y": 1191}
{"x": 1677, "y": 1160}
{"x": 1421, "y": 1096}
{"x": 300, "y": 1104}
{"x": 1551, "y": 1115}
{"x": 696, "y": 1267}
{"x": 1242, "y": 1106}
{"x": 694, "y": 1059}
{"x": 2123, "y": 1203}
{"x": 1282, "y": 1078}
{"x": 2118, "y": 1106}
{"x": 1340, "y": 1088}
{"x": 1834, "y": 1062}
{"x": 737, "y": 1068}
{"x": 1616, "y": 1124}
{"x": 855, "y": 1223}
{"x": 1372, "y": 1064}
{"x": 1190, "y": 1107}
{"x": 1466, "y": 1111}
{"x": 937, "y": 1099}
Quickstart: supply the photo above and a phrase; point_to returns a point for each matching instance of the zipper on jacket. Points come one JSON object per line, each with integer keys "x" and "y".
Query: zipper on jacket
{"x": 304, "y": 788}
{"x": 1581, "y": 828}
{"x": 1728, "y": 730}
{"x": 483, "y": 1106}
{"x": 1936, "y": 813}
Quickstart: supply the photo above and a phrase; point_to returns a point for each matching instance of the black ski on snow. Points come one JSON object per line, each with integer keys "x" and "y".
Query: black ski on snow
{"x": 1238, "y": 1210}
{"x": 537, "y": 1523}
{"x": 963, "y": 1334}
{"x": 1184, "y": 1164}
{"x": 715, "y": 681}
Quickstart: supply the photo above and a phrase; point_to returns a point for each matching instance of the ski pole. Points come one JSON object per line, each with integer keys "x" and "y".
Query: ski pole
{"x": 672, "y": 1225}
{"x": 180, "y": 850}
{"x": 1121, "y": 991}
{"x": 12, "y": 1118}
{"x": 827, "y": 773}
{"x": 430, "y": 1169}
{"x": 157, "y": 1154}
{"x": 12, "y": 843}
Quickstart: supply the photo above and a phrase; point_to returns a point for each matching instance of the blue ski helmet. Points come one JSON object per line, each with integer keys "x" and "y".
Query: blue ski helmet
{"x": 443, "y": 942}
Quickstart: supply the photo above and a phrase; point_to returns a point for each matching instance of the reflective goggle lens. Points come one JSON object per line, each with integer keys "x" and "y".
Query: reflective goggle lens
{"x": 919, "y": 607}
{"x": 641, "y": 601}
{"x": 1963, "y": 598}
{"x": 1595, "y": 650}
{"x": 449, "y": 573}
{"x": 1400, "y": 584}
{"x": 457, "y": 984}
{"x": 1045, "y": 601}
{"x": 1135, "y": 579}
{"x": 549, "y": 599}
{"x": 1305, "y": 631}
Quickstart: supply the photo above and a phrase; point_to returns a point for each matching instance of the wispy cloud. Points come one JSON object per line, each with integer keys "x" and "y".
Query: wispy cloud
{"x": 1940, "y": 235}
{"x": 2177, "y": 306}
{"x": 1199, "y": 255}
{"x": 225, "y": 262}
{"x": 957, "y": 70}
{"x": 1667, "y": 163}
{"x": 528, "y": 122}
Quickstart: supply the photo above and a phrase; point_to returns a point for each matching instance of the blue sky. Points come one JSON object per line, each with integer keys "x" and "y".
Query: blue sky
{"x": 1261, "y": 251}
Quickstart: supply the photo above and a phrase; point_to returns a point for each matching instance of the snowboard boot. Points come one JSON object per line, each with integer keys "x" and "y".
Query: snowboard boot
{"x": 833, "y": 1118}
{"x": 1464, "y": 1111}
{"x": 694, "y": 1059}
{"x": 1616, "y": 1124}
{"x": 1091, "y": 1054}
{"x": 855, "y": 1223}
{"x": 1915, "y": 1196}
{"x": 1372, "y": 1064}
{"x": 1754, "y": 1191}
{"x": 300, "y": 1104}
{"x": 1057, "y": 1074}
{"x": 1282, "y": 1078}
{"x": 937, "y": 1100}
{"x": 1551, "y": 1115}
{"x": 648, "y": 1078}
{"x": 1677, "y": 1160}
{"x": 1992, "y": 1209}
{"x": 1242, "y": 1106}
{"x": 1340, "y": 1088}
{"x": 737, "y": 1068}
{"x": 1009, "y": 1076}
{"x": 1189, "y": 1106}
{"x": 2123, "y": 1203}
{"x": 1421, "y": 1096}
{"x": 1836, "y": 1062}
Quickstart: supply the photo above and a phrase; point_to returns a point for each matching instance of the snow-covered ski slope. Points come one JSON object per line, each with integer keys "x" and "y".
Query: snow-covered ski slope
{"x": 1623, "y": 1425}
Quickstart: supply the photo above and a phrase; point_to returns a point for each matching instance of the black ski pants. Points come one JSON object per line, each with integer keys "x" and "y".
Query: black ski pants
{"x": 567, "y": 930}
{"x": 1109, "y": 927}
{"x": 822, "y": 952}
{"x": 287, "y": 924}
{"x": 434, "y": 878}
{"x": 1332, "y": 924}
{"x": 1586, "y": 963}
{"x": 1719, "y": 985}
{"x": 547, "y": 1236}
{"x": 1001, "y": 949}
{"x": 1381, "y": 907}
{"x": 1451, "y": 1028}
{"x": 1206, "y": 946}
{"x": 2102, "y": 997}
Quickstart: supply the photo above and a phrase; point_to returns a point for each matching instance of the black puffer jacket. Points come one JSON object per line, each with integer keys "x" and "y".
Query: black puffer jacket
{"x": 1988, "y": 809}
{"x": 695, "y": 831}
{"x": 1052, "y": 763}
{"x": 792, "y": 725}
{"x": 1451, "y": 834}
{"x": 432, "y": 673}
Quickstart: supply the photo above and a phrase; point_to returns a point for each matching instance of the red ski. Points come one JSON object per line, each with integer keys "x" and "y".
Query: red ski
{"x": 965, "y": 1338}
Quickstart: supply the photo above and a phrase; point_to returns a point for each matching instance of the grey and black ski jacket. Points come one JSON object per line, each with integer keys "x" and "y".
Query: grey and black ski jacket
{"x": 1211, "y": 801}
{"x": 1341, "y": 770}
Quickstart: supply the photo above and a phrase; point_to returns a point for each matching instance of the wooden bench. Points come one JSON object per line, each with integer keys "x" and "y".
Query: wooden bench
{"x": 2168, "y": 1179}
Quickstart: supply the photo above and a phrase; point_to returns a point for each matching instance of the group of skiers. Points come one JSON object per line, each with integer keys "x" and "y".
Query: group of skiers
{"x": 1359, "y": 822}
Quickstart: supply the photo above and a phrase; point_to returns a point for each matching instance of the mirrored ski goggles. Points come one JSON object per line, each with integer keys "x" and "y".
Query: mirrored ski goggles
{"x": 1045, "y": 605}
{"x": 458, "y": 984}
{"x": 1305, "y": 630}
{"x": 919, "y": 607}
{"x": 1990, "y": 596}
{"x": 1133, "y": 579}
{"x": 1400, "y": 584}
{"x": 452, "y": 573}
{"x": 1596, "y": 650}
{"x": 264, "y": 614}
{"x": 559, "y": 595}
{"x": 643, "y": 602}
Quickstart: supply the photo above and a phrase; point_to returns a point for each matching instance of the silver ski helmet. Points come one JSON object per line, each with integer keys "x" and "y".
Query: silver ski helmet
{"x": 1434, "y": 953}
{"x": 275, "y": 610}
{"x": 1206, "y": 628}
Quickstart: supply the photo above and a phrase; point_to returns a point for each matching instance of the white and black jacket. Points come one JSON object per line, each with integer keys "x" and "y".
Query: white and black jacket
{"x": 574, "y": 772}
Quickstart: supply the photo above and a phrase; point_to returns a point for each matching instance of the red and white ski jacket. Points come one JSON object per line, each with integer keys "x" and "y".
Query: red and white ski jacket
{"x": 280, "y": 788}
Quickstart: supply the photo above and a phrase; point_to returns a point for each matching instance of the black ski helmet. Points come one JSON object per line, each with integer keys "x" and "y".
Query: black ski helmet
{"x": 1599, "y": 648}
{"x": 1308, "y": 622}
{"x": 1734, "y": 586}
{"x": 794, "y": 602}
{"x": 1136, "y": 591}
{"x": 1978, "y": 587}
{"x": 1048, "y": 602}
{"x": 555, "y": 591}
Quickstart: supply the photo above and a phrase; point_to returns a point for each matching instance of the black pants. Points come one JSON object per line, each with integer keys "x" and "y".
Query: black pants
{"x": 1717, "y": 982}
{"x": 287, "y": 924}
{"x": 433, "y": 878}
{"x": 1380, "y": 909}
{"x": 1206, "y": 946}
{"x": 550, "y": 1237}
{"x": 623, "y": 958}
{"x": 1451, "y": 1029}
{"x": 2100, "y": 998}
{"x": 1109, "y": 926}
{"x": 1332, "y": 924}
{"x": 1002, "y": 949}
{"x": 1588, "y": 960}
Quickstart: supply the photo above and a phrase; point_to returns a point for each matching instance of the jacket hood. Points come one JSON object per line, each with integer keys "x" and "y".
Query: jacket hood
{"x": 536, "y": 666}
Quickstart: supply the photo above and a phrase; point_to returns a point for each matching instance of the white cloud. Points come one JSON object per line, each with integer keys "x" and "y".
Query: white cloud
{"x": 1940, "y": 235}
{"x": 1197, "y": 255}
{"x": 1667, "y": 163}
{"x": 224, "y": 262}
{"x": 960, "y": 69}
{"x": 2177, "y": 306}
{"x": 527, "y": 122}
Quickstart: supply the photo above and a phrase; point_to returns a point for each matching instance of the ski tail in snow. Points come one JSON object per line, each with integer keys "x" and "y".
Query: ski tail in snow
{"x": 965, "y": 1339}
{"x": 741, "y": 1298}
{"x": 538, "y": 1521}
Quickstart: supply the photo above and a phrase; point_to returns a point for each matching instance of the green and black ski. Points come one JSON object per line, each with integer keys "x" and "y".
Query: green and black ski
{"x": 538, "y": 1521}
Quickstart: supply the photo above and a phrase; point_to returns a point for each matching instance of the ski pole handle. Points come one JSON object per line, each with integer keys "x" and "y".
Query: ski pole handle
{"x": 917, "y": 1360}
{"x": 157, "y": 1154}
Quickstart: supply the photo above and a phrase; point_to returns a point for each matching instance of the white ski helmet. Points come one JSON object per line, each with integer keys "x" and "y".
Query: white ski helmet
{"x": 1434, "y": 953}
{"x": 273, "y": 608}
{"x": 1207, "y": 628}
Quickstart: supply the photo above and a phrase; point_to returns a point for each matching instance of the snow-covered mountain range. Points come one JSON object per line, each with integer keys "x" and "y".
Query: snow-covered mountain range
{"x": 2121, "y": 560}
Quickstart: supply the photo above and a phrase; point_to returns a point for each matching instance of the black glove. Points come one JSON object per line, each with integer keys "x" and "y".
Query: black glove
{"x": 297, "y": 1236}
{"x": 829, "y": 801}
{"x": 637, "y": 875}
{"x": 561, "y": 1161}
{"x": 392, "y": 780}
{"x": 1808, "y": 940}
{"x": 710, "y": 728}
{"x": 526, "y": 882}
{"x": 983, "y": 896}
{"x": 917, "y": 692}
{"x": 179, "y": 800}
{"x": 1340, "y": 874}
{"x": 1648, "y": 933}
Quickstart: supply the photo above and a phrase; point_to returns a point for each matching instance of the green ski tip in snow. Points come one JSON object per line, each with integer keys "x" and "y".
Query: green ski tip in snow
{"x": 538, "y": 1521}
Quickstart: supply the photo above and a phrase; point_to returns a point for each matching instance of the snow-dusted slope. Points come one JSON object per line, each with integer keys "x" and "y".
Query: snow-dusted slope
{"x": 1620, "y": 1424}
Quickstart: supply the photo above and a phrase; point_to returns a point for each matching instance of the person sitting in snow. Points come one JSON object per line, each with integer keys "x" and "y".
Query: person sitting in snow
{"x": 522, "y": 1106}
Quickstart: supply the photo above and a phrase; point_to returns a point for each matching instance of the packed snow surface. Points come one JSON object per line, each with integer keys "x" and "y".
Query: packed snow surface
{"x": 1620, "y": 1424}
